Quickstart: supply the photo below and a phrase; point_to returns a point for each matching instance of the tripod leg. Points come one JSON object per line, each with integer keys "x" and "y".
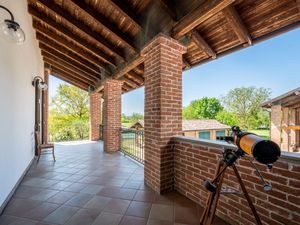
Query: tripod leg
{"x": 258, "y": 221}
{"x": 212, "y": 201}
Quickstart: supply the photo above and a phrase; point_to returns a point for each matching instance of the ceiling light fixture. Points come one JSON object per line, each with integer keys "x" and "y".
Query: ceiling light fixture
{"x": 10, "y": 30}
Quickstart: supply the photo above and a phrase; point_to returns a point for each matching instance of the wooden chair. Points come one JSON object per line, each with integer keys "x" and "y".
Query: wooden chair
{"x": 43, "y": 147}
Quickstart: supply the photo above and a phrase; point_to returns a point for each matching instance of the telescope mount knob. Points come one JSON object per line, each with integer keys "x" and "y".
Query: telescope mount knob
{"x": 267, "y": 187}
{"x": 210, "y": 186}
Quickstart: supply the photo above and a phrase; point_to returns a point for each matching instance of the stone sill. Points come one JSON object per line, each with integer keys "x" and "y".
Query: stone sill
{"x": 290, "y": 156}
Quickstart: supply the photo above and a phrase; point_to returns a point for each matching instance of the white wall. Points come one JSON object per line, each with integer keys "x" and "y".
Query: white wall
{"x": 18, "y": 65}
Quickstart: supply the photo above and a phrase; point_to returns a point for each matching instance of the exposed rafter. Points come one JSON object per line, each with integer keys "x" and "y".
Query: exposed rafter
{"x": 198, "y": 16}
{"x": 58, "y": 41}
{"x": 67, "y": 53}
{"x": 168, "y": 9}
{"x": 139, "y": 79}
{"x": 129, "y": 82}
{"x": 185, "y": 62}
{"x": 62, "y": 30}
{"x": 237, "y": 24}
{"x": 112, "y": 28}
{"x": 202, "y": 44}
{"x": 128, "y": 67}
{"x": 61, "y": 57}
{"x": 66, "y": 69}
{"x": 127, "y": 12}
{"x": 68, "y": 64}
{"x": 81, "y": 26}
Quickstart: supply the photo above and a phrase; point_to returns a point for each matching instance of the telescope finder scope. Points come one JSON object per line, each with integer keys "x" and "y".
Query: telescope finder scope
{"x": 264, "y": 151}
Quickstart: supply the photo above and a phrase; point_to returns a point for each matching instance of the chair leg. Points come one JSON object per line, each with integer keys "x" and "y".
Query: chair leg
{"x": 39, "y": 155}
{"x": 53, "y": 155}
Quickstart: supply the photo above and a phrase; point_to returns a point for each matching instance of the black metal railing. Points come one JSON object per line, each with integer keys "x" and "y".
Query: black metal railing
{"x": 101, "y": 130}
{"x": 132, "y": 144}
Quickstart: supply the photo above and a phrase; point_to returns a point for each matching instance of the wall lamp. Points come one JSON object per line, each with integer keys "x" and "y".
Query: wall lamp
{"x": 41, "y": 85}
{"x": 10, "y": 30}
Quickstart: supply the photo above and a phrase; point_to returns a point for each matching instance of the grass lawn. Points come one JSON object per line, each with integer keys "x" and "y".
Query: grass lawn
{"x": 262, "y": 133}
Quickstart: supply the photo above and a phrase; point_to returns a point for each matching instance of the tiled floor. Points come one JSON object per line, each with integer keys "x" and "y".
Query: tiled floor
{"x": 88, "y": 187}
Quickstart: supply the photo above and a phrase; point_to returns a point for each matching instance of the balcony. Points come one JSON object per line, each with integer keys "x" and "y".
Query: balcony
{"x": 87, "y": 186}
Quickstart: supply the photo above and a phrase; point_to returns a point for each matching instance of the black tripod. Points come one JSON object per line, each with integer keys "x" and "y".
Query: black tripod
{"x": 229, "y": 158}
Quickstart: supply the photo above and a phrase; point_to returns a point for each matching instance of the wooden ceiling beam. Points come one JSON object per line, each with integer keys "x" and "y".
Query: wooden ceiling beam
{"x": 136, "y": 78}
{"x": 110, "y": 27}
{"x": 69, "y": 54}
{"x": 62, "y": 30}
{"x": 52, "y": 38}
{"x": 129, "y": 82}
{"x": 70, "y": 71}
{"x": 236, "y": 23}
{"x": 74, "y": 82}
{"x": 198, "y": 16}
{"x": 73, "y": 66}
{"x": 68, "y": 75}
{"x": 110, "y": 47}
{"x": 202, "y": 44}
{"x": 185, "y": 62}
{"x": 68, "y": 60}
{"x": 128, "y": 67}
{"x": 168, "y": 9}
{"x": 122, "y": 7}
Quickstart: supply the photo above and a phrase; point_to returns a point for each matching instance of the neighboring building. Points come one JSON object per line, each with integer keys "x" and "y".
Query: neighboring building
{"x": 285, "y": 120}
{"x": 204, "y": 128}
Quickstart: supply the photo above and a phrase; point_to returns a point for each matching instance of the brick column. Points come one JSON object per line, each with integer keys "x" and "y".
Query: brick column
{"x": 45, "y": 106}
{"x": 95, "y": 115}
{"x": 293, "y": 132}
{"x": 112, "y": 115}
{"x": 285, "y": 131}
{"x": 163, "y": 109}
{"x": 276, "y": 124}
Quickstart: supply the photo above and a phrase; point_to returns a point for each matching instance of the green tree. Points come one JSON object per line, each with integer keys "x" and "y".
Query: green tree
{"x": 245, "y": 103}
{"x": 204, "y": 108}
{"x": 226, "y": 117}
{"x": 69, "y": 114}
{"x": 135, "y": 117}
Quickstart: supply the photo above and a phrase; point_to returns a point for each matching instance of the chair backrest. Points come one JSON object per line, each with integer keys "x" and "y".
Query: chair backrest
{"x": 38, "y": 138}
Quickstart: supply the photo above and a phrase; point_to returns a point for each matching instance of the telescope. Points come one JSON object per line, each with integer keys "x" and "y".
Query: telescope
{"x": 250, "y": 146}
{"x": 264, "y": 151}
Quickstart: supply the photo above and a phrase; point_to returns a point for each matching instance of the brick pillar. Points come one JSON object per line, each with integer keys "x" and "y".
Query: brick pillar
{"x": 112, "y": 115}
{"x": 45, "y": 107}
{"x": 276, "y": 124}
{"x": 285, "y": 131}
{"x": 95, "y": 116}
{"x": 163, "y": 109}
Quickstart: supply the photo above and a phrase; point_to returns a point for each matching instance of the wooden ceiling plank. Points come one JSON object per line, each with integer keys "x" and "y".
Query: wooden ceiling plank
{"x": 81, "y": 26}
{"x": 68, "y": 45}
{"x": 66, "y": 63}
{"x": 135, "y": 77}
{"x": 298, "y": 4}
{"x": 66, "y": 79}
{"x": 236, "y": 23}
{"x": 70, "y": 54}
{"x": 168, "y": 9}
{"x": 112, "y": 28}
{"x": 198, "y": 16}
{"x": 185, "y": 62}
{"x": 69, "y": 70}
{"x": 62, "y": 30}
{"x": 122, "y": 7}
{"x": 129, "y": 82}
{"x": 128, "y": 67}
{"x": 203, "y": 45}
{"x": 67, "y": 59}
{"x": 70, "y": 76}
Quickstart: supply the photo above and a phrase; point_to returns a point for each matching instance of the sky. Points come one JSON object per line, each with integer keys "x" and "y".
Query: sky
{"x": 273, "y": 64}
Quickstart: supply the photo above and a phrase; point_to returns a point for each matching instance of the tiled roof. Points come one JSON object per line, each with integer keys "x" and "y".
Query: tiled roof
{"x": 203, "y": 124}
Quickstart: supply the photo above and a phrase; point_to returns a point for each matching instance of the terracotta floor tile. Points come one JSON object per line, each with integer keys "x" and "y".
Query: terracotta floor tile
{"x": 61, "y": 215}
{"x": 144, "y": 196}
{"x": 79, "y": 199}
{"x": 41, "y": 211}
{"x": 97, "y": 202}
{"x": 159, "y": 222}
{"x": 131, "y": 220}
{"x": 106, "y": 218}
{"x": 162, "y": 212}
{"x": 139, "y": 209}
{"x": 44, "y": 195}
{"x": 75, "y": 187}
{"x": 186, "y": 215}
{"x": 118, "y": 206}
{"x": 83, "y": 217}
{"x": 61, "y": 197}
{"x": 123, "y": 193}
{"x": 92, "y": 189}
